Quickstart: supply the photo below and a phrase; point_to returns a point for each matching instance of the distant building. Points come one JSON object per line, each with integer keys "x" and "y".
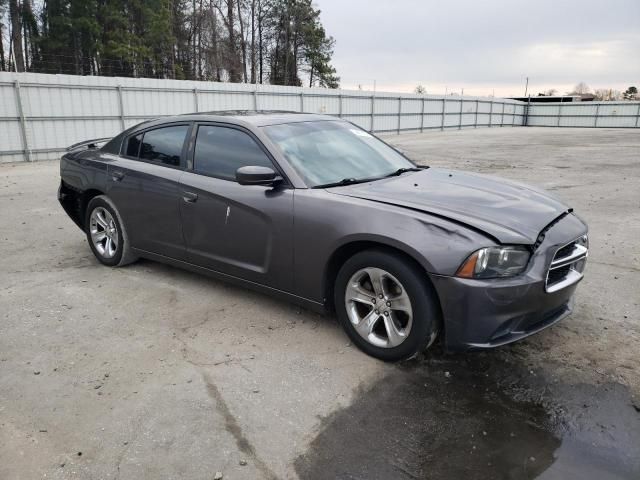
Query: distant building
{"x": 587, "y": 97}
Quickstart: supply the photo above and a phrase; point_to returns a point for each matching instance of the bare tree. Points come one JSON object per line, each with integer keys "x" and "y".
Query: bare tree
{"x": 601, "y": 93}
{"x": 420, "y": 90}
{"x": 580, "y": 89}
{"x": 3, "y": 65}
{"x": 243, "y": 42}
{"x": 16, "y": 34}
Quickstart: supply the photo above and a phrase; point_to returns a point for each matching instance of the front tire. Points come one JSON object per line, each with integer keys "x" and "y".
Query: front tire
{"x": 386, "y": 305}
{"x": 106, "y": 234}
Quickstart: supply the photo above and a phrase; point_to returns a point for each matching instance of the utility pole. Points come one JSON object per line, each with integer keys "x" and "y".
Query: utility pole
{"x": 526, "y": 87}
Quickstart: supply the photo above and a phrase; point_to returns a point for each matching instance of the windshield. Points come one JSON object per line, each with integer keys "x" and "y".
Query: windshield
{"x": 327, "y": 152}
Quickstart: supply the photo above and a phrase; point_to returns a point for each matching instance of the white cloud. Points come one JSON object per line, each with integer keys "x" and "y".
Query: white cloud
{"x": 483, "y": 46}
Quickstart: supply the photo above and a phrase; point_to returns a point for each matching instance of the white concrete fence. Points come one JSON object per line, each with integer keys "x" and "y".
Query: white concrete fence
{"x": 40, "y": 114}
{"x": 584, "y": 114}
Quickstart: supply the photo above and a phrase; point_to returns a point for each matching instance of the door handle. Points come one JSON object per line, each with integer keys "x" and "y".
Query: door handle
{"x": 189, "y": 197}
{"x": 117, "y": 175}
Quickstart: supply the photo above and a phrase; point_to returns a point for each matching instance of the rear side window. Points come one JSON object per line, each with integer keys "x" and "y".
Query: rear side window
{"x": 133, "y": 146}
{"x": 163, "y": 145}
{"x": 220, "y": 151}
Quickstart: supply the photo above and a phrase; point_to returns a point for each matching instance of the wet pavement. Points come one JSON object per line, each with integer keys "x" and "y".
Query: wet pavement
{"x": 478, "y": 416}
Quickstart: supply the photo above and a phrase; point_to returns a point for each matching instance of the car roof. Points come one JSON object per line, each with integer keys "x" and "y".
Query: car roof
{"x": 256, "y": 118}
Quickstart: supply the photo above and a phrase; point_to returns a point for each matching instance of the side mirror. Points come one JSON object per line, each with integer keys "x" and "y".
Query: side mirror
{"x": 254, "y": 175}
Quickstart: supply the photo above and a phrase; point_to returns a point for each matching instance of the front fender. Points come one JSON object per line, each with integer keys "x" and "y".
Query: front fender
{"x": 325, "y": 222}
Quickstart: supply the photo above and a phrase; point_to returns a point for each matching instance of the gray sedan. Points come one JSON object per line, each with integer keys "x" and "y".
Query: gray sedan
{"x": 315, "y": 210}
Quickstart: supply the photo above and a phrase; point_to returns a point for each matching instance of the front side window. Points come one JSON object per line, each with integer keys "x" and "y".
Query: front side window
{"x": 162, "y": 145}
{"x": 324, "y": 152}
{"x": 220, "y": 151}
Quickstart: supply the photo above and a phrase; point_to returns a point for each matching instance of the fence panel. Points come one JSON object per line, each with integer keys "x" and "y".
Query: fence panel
{"x": 585, "y": 114}
{"x": 40, "y": 115}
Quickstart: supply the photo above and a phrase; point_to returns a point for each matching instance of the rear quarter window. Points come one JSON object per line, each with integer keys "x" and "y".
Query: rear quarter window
{"x": 133, "y": 146}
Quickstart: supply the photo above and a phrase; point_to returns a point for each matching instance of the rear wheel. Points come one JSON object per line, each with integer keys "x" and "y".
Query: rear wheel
{"x": 386, "y": 305}
{"x": 106, "y": 234}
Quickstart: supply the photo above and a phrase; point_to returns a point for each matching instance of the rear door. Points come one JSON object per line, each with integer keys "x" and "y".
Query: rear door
{"x": 240, "y": 230}
{"x": 144, "y": 183}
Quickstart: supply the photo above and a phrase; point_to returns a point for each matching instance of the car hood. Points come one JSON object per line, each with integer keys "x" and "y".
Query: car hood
{"x": 508, "y": 211}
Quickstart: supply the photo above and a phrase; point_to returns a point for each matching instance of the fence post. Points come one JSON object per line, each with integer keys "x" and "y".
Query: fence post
{"x": 502, "y": 116}
{"x": 444, "y": 111}
{"x": 595, "y": 123}
{"x": 559, "y": 112}
{"x": 460, "y": 117}
{"x": 195, "y": 99}
{"x": 475, "y": 121}
{"x": 23, "y": 123}
{"x": 373, "y": 108}
{"x": 637, "y": 115}
{"x": 120, "y": 106}
{"x": 255, "y": 98}
{"x": 525, "y": 120}
{"x": 301, "y": 102}
{"x": 399, "y": 113}
{"x": 490, "y": 113}
{"x": 513, "y": 115}
{"x": 340, "y": 105}
{"x": 422, "y": 116}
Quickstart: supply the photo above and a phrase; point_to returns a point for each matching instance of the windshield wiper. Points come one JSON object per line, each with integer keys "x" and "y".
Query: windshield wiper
{"x": 351, "y": 181}
{"x": 344, "y": 181}
{"x": 400, "y": 171}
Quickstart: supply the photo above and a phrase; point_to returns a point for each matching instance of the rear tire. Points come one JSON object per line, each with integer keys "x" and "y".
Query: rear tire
{"x": 106, "y": 234}
{"x": 386, "y": 305}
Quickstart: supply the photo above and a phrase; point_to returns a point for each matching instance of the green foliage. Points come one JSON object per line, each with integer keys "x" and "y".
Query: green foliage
{"x": 630, "y": 93}
{"x": 278, "y": 40}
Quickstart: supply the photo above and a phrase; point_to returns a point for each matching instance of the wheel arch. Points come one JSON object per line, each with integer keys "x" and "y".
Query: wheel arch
{"x": 74, "y": 202}
{"x": 85, "y": 198}
{"x": 345, "y": 251}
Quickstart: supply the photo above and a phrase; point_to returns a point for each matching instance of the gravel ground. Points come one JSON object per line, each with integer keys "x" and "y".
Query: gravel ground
{"x": 152, "y": 372}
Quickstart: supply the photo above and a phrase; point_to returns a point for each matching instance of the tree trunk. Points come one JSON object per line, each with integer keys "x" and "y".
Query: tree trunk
{"x": 260, "y": 46}
{"x": 235, "y": 76}
{"x": 253, "y": 41}
{"x": 193, "y": 40}
{"x": 16, "y": 35}
{"x": 243, "y": 43}
{"x": 2, "y": 64}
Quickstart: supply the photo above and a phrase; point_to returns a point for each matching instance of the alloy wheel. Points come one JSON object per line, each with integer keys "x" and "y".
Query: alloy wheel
{"x": 104, "y": 232}
{"x": 379, "y": 307}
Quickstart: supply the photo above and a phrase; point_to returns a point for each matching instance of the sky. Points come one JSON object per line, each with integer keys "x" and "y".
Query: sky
{"x": 484, "y": 46}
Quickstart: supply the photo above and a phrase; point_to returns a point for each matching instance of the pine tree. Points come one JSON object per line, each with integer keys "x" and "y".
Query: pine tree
{"x": 224, "y": 40}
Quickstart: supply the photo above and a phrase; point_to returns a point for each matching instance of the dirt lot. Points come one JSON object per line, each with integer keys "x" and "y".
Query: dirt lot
{"x": 151, "y": 372}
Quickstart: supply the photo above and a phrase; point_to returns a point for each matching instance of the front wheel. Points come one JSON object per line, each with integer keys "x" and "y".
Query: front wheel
{"x": 386, "y": 305}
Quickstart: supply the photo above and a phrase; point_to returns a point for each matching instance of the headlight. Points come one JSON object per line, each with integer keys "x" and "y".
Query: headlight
{"x": 492, "y": 262}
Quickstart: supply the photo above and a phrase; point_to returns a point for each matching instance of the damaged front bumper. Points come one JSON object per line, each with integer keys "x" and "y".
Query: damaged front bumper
{"x": 486, "y": 313}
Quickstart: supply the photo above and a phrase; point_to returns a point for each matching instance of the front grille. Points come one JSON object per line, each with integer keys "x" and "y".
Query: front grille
{"x": 566, "y": 250}
{"x": 558, "y": 274}
{"x": 567, "y": 265}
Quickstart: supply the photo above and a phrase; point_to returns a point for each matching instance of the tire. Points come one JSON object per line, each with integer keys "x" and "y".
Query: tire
{"x": 106, "y": 234}
{"x": 396, "y": 327}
